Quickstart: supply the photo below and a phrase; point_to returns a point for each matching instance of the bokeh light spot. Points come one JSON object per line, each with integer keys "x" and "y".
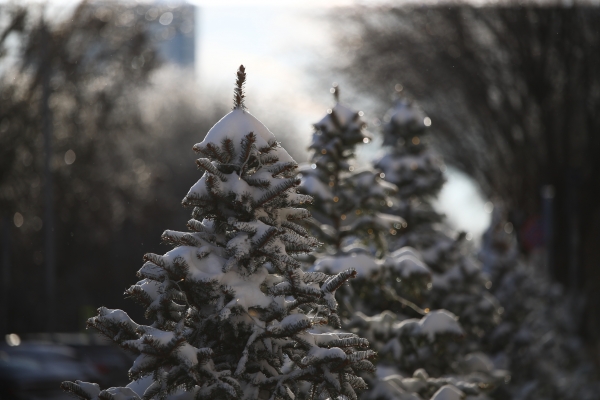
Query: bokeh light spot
{"x": 70, "y": 157}
{"x": 18, "y": 219}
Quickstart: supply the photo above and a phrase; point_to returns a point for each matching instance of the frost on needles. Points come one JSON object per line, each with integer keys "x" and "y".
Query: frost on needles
{"x": 231, "y": 310}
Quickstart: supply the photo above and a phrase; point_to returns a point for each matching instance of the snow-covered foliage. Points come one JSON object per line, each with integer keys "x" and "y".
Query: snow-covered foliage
{"x": 351, "y": 214}
{"x": 410, "y": 164}
{"x": 426, "y": 306}
{"x": 420, "y": 386}
{"x": 231, "y": 311}
{"x": 349, "y": 203}
{"x": 537, "y": 338}
{"x": 457, "y": 282}
{"x": 386, "y": 302}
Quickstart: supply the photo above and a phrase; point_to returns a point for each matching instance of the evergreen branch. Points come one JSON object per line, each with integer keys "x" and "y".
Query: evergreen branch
{"x": 333, "y": 283}
{"x": 179, "y": 268}
{"x": 299, "y": 213}
{"x": 292, "y": 239}
{"x": 268, "y": 159}
{"x": 273, "y": 144}
{"x": 259, "y": 183}
{"x": 170, "y": 237}
{"x": 195, "y": 200}
{"x": 336, "y": 121}
{"x": 263, "y": 240}
{"x": 361, "y": 355}
{"x": 244, "y": 227}
{"x": 334, "y": 320}
{"x": 284, "y": 262}
{"x": 281, "y": 289}
{"x": 155, "y": 259}
{"x": 76, "y": 389}
{"x": 314, "y": 277}
{"x": 336, "y": 92}
{"x": 297, "y": 248}
{"x": 392, "y": 293}
{"x": 295, "y": 228}
{"x": 267, "y": 220}
{"x": 282, "y": 168}
{"x": 302, "y": 199}
{"x": 202, "y": 254}
{"x": 139, "y": 295}
{"x": 153, "y": 391}
{"x": 306, "y": 291}
{"x": 152, "y": 271}
{"x": 104, "y": 395}
{"x": 196, "y": 225}
{"x": 364, "y": 365}
{"x": 246, "y": 150}
{"x": 277, "y": 191}
{"x": 238, "y": 91}
{"x": 114, "y": 324}
{"x": 215, "y": 153}
{"x": 204, "y": 163}
{"x": 348, "y": 342}
{"x": 227, "y": 144}
{"x": 357, "y": 382}
{"x": 291, "y": 329}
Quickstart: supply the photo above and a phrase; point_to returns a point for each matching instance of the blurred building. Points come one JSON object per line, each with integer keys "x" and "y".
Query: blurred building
{"x": 175, "y": 32}
{"x": 173, "y": 29}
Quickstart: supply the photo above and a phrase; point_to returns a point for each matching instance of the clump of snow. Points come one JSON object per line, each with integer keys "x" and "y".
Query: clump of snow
{"x": 448, "y": 392}
{"x": 477, "y": 362}
{"x": 404, "y": 113}
{"x": 440, "y": 322}
{"x": 236, "y": 125}
{"x": 140, "y": 386}
{"x": 313, "y": 185}
{"x": 407, "y": 265}
{"x": 344, "y": 114}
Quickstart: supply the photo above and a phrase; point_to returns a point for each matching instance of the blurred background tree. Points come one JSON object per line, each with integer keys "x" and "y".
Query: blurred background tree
{"x": 112, "y": 119}
{"x": 513, "y": 93}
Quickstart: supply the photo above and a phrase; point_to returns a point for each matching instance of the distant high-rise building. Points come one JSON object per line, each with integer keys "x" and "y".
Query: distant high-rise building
{"x": 174, "y": 31}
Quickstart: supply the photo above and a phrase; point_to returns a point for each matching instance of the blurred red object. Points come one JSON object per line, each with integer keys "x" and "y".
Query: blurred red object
{"x": 532, "y": 233}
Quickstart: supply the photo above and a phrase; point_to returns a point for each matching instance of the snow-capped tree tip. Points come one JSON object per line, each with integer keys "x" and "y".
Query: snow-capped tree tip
{"x": 238, "y": 92}
{"x": 335, "y": 90}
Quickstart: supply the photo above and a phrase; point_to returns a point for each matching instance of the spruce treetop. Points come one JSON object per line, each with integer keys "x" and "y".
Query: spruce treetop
{"x": 405, "y": 120}
{"x": 409, "y": 163}
{"x": 349, "y": 202}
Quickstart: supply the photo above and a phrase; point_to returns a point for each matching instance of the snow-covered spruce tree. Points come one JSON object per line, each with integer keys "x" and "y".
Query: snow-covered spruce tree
{"x": 410, "y": 163}
{"x": 537, "y": 338}
{"x": 349, "y": 206}
{"x": 347, "y": 202}
{"x": 414, "y": 349}
{"x": 231, "y": 310}
{"x": 458, "y": 284}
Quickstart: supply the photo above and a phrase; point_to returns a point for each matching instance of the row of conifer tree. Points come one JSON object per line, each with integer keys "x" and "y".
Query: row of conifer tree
{"x": 334, "y": 280}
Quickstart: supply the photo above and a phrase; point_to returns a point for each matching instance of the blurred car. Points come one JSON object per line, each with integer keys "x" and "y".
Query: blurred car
{"x": 107, "y": 363}
{"x": 34, "y": 370}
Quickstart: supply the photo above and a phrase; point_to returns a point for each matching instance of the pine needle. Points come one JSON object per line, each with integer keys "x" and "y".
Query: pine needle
{"x": 238, "y": 92}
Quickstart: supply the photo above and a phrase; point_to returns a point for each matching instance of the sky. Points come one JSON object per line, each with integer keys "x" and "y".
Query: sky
{"x": 278, "y": 46}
